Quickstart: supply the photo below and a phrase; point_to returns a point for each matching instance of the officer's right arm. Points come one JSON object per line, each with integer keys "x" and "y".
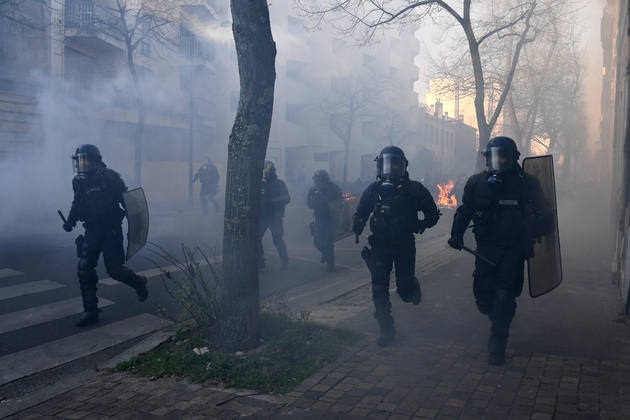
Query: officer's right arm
{"x": 75, "y": 209}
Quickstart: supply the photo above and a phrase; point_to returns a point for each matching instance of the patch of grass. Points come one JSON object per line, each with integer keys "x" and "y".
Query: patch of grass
{"x": 292, "y": 348}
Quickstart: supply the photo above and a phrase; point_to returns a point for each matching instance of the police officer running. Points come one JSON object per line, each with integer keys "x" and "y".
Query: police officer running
{"x": 275, "y": 197}
{"x": 97, "y": 199}
{"x": 321, "y": 193}
{"x": 394, "y": 201}
{"x": 494, "y": 201}
{"x": 209, "y": 177}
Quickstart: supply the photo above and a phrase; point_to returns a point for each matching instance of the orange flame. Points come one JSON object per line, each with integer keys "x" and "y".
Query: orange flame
{"x": 446, "y": 199}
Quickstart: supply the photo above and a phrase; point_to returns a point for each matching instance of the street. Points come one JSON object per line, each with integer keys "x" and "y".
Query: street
{"x": 41, "y": 298}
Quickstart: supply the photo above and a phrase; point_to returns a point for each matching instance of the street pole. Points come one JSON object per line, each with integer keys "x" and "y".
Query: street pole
{"x": 191, "y": 126}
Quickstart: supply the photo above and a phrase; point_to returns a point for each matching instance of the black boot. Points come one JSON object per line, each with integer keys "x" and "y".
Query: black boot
{"x": 496, "y": 352}
{"x": 141, "y": 289}
{"x": 87, "y": 318}
{"x": 90, "y": 302}
{"x": 388, "y": 332}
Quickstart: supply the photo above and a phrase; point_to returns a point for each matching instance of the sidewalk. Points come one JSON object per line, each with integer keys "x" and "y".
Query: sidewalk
{"x": 567, "y": 359}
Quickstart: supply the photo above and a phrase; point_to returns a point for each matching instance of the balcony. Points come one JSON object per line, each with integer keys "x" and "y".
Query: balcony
{"x": 101, "y": 93}
{"x": 201, "y": 52}
{"x": 92, "y": 26}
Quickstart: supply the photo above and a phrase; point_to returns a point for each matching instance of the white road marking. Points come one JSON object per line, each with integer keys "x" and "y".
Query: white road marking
{"x": 28, "y": 288}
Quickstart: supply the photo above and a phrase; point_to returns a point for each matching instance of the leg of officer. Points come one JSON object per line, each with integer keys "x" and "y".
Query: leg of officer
{"x": 508, "y": 285}
{"x": 381, "y": 267}
{"x": 88, "y": 260}
{"x": 264, "y": 225}
{"x": 407, "y": 285}
{"x": 114, "y": 258}
{"x": 277, "y": 232}
{"x": 324, "y": 243}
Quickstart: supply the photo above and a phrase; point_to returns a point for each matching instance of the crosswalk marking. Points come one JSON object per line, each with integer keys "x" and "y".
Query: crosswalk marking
{"x": 28, "y": 288}
{"x": 7, "y": 272}
{"x": 37, "y": 315}
{"x": 27, "y": 362}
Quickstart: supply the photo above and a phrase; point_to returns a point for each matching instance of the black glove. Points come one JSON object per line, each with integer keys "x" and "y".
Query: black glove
{"x": 357, "y": 226}
{"x": 419, "y": 227}
{"x": 456, "y": 242}
{"x": 67, "y": 227}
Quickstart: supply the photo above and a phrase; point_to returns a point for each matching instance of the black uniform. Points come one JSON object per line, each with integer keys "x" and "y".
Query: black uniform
{"x": 322, "y": 229}
{"x": 498, "y": 216}
{"x": 393, "y": 224}
{"x": 275, "y": 197}
{"x": 209, "y": 177}
{"x": 97, "y": 200}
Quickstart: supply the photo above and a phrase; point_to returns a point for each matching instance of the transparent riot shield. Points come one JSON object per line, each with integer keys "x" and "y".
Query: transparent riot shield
{"x": 341, "y": 211}
{"x": 137, "y": 219}
{"x": 544, "y": 263}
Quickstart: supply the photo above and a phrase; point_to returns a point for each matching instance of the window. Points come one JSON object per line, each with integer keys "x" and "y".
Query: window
{"x": 145, "y": 48}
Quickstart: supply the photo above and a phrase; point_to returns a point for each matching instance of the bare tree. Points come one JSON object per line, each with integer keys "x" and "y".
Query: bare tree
{"x": 24, "y": 15}
{"x": 142, "y": 26}
{"x": 352, "y": 99}
{"x": 486, "y": 28}
{"x": 256, "y": 53}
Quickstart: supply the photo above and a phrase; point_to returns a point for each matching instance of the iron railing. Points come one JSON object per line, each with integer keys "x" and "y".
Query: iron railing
{"x": 85, "y": 15}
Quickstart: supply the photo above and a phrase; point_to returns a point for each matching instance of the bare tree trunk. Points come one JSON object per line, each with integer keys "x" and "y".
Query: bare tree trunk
{"x": 256, "y": 53}
{"x": 142, "y": 111}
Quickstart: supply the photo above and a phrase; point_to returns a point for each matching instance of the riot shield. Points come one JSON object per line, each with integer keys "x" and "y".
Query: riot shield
{"x": 341, "y": 212}
{"x": 137, "y": 219}
{"x": 544, "y": 263}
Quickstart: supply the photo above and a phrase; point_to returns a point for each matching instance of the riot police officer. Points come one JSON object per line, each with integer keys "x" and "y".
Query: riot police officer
{"x": 321, "y": 193}
{"x": 275, "y": 197}
{"x": 209, "y": 177}
{"x": 394, "y": 202}
{"x": 97, "y": 203}
{"x": 493, "y": 200}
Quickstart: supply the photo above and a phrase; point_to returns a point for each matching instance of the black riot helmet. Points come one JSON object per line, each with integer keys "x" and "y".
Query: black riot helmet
{"x": 320, "y": 178}
{"x": 87, "y": 158}
{"x": 269, "y": 171}
{"x": 501, "y": 153}
{"x": 206, "y": 161}
{"x": 391, "y": 164}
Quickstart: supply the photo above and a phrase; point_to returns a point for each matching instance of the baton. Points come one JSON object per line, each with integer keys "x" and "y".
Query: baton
{"x": 356, "y": 239}
{"x": 62, "y": 218}
{"x": 476, "y": 254}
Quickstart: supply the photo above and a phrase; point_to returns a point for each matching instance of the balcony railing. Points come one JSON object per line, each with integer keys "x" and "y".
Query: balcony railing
{"x": 85, "y": 15}
{"x": 103, "y": 92}
{"x": 199, "y": 49}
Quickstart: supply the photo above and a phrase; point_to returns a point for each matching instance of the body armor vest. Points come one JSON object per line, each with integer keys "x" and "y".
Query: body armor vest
{"x": 394, "y": 217}
{"x": 499, "y": 217}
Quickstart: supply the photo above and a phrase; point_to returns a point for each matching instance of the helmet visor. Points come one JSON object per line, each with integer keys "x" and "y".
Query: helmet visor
{"x": 499, "y": 160}
{"x": 391, "y": 166}
{"x": 82, "y": 162}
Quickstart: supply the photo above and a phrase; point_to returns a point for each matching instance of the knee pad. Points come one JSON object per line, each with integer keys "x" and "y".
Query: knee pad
{"x": 504, "y": 303}
{"x": 484, "y": 307}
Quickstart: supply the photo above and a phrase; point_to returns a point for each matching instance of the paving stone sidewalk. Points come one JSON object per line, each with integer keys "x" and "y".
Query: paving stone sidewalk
{"x": 567, "y": 359}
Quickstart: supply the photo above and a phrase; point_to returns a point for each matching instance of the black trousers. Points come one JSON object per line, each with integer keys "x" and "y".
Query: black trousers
{"x": 274, "y": 224}
{"x": 382, "y": 260}
{"x": 496, "y": 289}
{"x": 109, "y": 241}
{"x": 323, "y": 239}
{"x": 207, "y": 194}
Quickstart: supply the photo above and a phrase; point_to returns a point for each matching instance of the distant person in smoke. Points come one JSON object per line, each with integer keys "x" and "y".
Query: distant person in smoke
{"x": 209, "y": 177}
{"x": 274, "y": 199}
{"x": 97, "y": 203}
{"x": 321, "y": 193}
